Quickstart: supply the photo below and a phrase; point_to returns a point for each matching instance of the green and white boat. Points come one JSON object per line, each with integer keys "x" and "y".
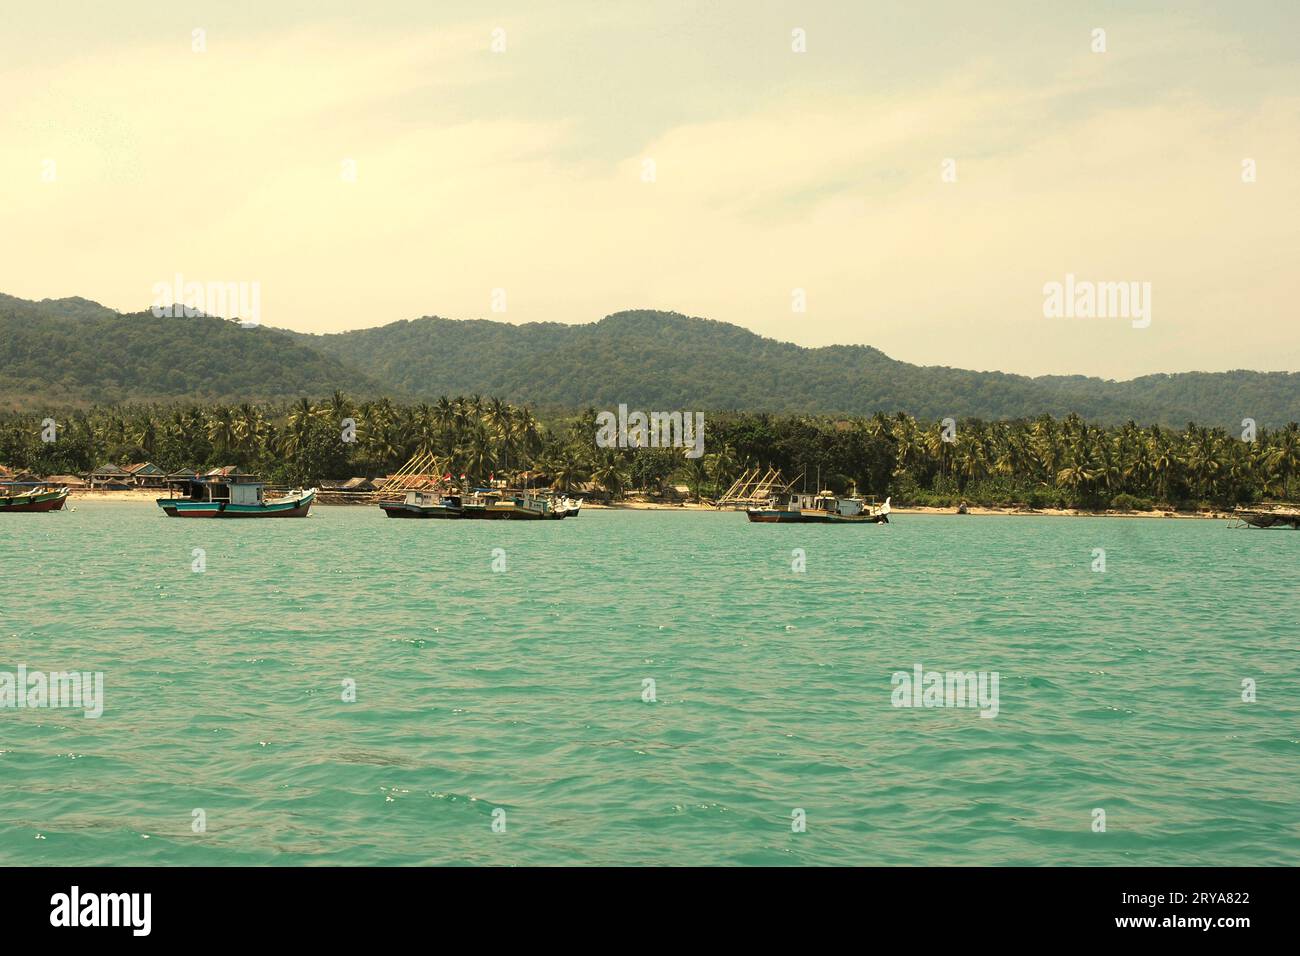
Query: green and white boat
{"x": 229, "y": 493}
{"x": 30, "y": 498}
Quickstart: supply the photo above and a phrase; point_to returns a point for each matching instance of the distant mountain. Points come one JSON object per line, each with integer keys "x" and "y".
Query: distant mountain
{"x": 74, "y": 351}
{"x": 70, "y": 308}
{"x": 662, "y": 360}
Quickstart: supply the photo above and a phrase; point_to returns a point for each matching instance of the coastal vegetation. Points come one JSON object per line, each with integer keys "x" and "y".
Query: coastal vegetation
{"x": 1038, "y": 462}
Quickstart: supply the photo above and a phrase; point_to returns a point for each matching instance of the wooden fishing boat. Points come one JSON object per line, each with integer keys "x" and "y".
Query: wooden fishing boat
{"x": 571, "y": 506}
{"x": 226, "y": 493}
{"x": 418, "y": 504}
{"x": 32, "y": 498}
{"x": 1269, "y": 514}
{"x": 521, "y": 506}
{"x": 824, "y": 508}
{"x": 476, "y": 503}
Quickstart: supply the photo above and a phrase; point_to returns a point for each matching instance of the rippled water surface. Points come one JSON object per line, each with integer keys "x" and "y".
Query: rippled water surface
{"x": 523, "y": 690}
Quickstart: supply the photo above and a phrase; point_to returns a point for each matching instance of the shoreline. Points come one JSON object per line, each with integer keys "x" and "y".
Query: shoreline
{"x": 973, "y": 511}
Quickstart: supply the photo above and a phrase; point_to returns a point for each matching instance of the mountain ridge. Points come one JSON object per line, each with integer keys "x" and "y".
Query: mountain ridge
{"x": 644, "y": 358}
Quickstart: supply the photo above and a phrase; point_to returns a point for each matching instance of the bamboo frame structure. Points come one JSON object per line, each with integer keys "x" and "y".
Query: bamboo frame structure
{"x": 421, "y": 473}
{"x": 755, "y": 487}
{"x": 1269, "y": 514}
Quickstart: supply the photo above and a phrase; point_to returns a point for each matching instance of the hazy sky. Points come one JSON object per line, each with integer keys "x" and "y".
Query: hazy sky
{"x": 774, "y": 170}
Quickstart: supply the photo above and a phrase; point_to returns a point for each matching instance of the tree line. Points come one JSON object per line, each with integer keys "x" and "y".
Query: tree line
{"x": 1039, "y": 462}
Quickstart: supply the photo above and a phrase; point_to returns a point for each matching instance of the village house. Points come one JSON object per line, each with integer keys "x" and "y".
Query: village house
{"x": 109, "y": 477}
{"x": 8, "y": 474}
{"x": 181, "y": 474}
{"x": 146, "y": 474}
{"x": 351, "y": 485}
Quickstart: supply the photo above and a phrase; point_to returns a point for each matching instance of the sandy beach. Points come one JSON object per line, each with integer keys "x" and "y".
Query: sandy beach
{"x": 151, "y": 495}
{"x": 972, "y": 510}
{"x": 142, "y": 494}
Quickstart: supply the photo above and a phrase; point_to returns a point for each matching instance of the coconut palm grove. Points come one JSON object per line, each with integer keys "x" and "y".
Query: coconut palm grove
{"x": 1040, "y": 462}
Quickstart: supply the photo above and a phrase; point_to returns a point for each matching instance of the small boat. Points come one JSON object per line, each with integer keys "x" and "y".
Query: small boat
{"x": 418, "y": 504}
{"x": 571, "y": 506}
{"x": 227, "y": 493}
{"x": 33, "y": 498}
{"x": 519, "y": 506}
{"x": 824, "y": 508}
{"x": 1269, "y": 514}
{"x": 471, "y": 504}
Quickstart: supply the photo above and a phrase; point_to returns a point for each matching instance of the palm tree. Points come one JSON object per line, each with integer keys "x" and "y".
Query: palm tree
{"x": 1075, "y": 477}
{"x": 696, "y": 471}
{"x": 906, "y": 444}
{"x": 1285, "y": 456}
{"x": 528, "y": 432}
{"x": 609, "y": 472}
{"x": 476, "y": 454}
{"x": 221, "y": 430}
{"x": 145, "y": 436}
{"x": 297, "y": 428}
{"x": 426, "y": 436}
{"x": 1202, "y": 461}
{"x": 444, "y": 416}
{"x": 969, "y": 457}
{"x": 248, "y": 427}
{"x": 1109, "y": 472}
{"x": 722, "y": 466}
{"x": 937, "y": 447}
{"x": 567, "y": 468}
{"x": 499, "y": 420}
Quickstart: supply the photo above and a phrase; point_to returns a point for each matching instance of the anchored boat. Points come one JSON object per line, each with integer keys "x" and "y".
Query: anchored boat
{"x": 228, "y": 493}
{"x": 33, "y": 498}
{"x": 480, "y": 503}
{"x": 824, "y": 508}
{"x": 418, "y": 504}
{"x": 521, "y": 506}
{"x": 1270, "y": 514}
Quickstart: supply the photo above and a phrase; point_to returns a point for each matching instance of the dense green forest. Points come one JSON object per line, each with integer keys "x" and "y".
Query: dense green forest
{"x": 1038, "y": 462}
{"x": 72, "y": 351}
{"x": 663, "y": 360}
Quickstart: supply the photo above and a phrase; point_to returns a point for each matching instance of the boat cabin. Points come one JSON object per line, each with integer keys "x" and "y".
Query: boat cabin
{"x": 221, "y": 484}
{"x": 424, "y": 499}
{"x": 827, "y": 503}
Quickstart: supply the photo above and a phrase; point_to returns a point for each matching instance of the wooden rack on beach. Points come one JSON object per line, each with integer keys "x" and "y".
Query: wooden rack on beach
{"x": 423, "y": 472}
{"x": 1269, "y": 514}
{"x": 755, "y": 487}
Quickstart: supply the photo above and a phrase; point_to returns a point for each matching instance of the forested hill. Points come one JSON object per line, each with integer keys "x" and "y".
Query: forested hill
{"x": 662, "y": 360}
{"x": 75, "y": 351}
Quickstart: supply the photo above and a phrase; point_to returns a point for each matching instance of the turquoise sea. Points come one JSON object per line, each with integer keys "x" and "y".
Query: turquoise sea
{"x": 524, "y": 691}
